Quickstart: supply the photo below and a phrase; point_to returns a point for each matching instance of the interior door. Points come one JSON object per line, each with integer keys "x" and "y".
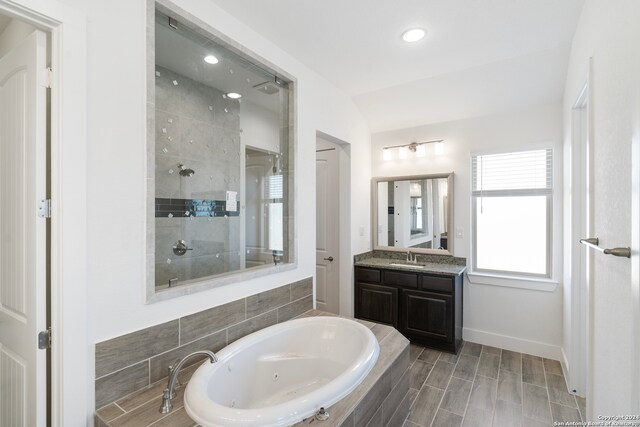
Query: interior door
{"x": 327, "y": 224}
{"x": 22, "y": 233}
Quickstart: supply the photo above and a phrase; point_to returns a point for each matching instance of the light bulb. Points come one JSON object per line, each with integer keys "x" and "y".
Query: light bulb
{"x": 386, "y": 154}
{"x": 413, "y": 35}
{"x": 403, "y": 152}
{"x": 421, "y": 151}
{"x": 210, "y": 59}
{"x": 439, "y": 149}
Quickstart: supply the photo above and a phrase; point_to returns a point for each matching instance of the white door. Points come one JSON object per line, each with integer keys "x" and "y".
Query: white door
{"x": 327, "y": 228}
{"x": 22, "y": 233}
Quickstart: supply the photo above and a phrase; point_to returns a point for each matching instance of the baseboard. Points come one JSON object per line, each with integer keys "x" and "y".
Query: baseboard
{"x": 514, "y": 344}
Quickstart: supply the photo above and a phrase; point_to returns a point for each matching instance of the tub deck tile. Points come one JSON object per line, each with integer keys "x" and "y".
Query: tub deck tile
{"x": 382, "y": 399}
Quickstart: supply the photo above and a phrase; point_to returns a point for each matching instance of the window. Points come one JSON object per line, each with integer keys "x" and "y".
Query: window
{"x": 275, "y": 191}
{"x": 511, "y": 209}
{"x": 416, "y": 215}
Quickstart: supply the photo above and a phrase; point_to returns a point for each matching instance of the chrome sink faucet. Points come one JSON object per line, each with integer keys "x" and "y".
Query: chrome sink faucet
{"x": 170, "y": 392}
{"x": 411, "y": 257}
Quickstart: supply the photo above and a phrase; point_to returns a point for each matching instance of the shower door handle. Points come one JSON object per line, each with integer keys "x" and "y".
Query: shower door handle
{"x": 330, "y": 259}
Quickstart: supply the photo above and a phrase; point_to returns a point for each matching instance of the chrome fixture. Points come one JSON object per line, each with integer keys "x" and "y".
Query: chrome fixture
{"x": 593, "y": 242}
{"x": 411, "y": 257}
{"x": 184, "y": 171}
{"x": 276, "y": 257}
{"x": 170, "y": 392}
{"x": 180, "y": 249}
{"x": 418, "y": 148}
{"x": 322, "y": 415}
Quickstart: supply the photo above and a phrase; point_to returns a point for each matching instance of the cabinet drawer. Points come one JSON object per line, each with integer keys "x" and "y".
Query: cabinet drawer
{"x": 406, "y": 280}
{"x": 434, "y": 283}
{"x": 367, "y": 275}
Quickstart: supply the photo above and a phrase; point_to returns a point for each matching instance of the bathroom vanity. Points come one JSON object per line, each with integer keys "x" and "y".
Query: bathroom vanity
{"x": 422, "y": 300}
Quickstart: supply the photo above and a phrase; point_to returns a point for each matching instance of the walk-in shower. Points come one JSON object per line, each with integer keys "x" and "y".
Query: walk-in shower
{"x": 221, "y": 148}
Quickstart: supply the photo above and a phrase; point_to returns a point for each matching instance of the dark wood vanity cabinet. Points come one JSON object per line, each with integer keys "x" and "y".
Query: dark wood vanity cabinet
{"x": 426, "y": 308}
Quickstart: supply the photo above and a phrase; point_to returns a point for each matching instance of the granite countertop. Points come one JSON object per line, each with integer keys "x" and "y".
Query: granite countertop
{"x": 436, "y": 264}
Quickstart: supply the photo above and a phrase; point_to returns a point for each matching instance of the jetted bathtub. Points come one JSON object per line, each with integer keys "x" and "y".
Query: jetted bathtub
{"x": 282, "y": 374}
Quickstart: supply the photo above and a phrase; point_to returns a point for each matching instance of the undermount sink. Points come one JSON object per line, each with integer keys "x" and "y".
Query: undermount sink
{"x": 402, "y": 264}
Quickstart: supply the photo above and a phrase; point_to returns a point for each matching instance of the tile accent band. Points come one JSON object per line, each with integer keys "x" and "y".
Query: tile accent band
{"x": 184, "y": 208}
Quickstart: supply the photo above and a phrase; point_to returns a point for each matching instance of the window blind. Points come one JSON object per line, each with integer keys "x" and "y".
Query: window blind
{"x": 275, "y": 188}
{"x": 519, "y": 173}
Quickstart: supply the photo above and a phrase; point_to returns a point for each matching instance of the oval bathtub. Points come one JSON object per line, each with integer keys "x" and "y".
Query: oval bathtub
{"x": 282, "y": 374}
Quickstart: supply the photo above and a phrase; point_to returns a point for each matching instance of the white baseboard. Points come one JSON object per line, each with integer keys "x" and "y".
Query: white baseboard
{"x": 514, "y": 344}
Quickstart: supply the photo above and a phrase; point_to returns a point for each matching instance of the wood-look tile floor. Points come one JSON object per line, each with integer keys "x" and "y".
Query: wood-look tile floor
{"x": 488, "y": 386}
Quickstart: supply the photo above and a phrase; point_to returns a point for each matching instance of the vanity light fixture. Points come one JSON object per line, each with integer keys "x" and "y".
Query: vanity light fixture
{"x": 419, "y": 148}
{"x": 413, "y": 35}
{"x": 234, "y": 95}
{"x": 210, "y": 59}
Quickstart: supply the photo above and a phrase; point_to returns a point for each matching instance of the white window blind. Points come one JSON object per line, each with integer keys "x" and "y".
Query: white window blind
{"x": 516, "y": 173}
{"x": 275, "y": 187}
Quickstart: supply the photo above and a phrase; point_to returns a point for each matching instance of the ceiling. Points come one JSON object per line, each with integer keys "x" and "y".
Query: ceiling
{"x": 479, "y": 57}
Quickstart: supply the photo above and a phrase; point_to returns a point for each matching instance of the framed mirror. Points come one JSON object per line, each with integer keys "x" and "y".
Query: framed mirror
{"x": 413, "y": 213}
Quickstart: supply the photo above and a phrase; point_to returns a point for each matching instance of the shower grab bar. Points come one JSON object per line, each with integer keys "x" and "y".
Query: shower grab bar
{"x": 593, "y": 242}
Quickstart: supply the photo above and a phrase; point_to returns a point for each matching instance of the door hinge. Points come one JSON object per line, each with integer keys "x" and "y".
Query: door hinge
{"x": 48, "y": 77}
{"x": 44, "y": 339}
{"x": 44, "y": 208}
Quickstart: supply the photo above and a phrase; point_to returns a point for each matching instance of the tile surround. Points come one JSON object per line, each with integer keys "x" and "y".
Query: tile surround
{"x": 131, "y": 362}
{"x": 382, "y": 399}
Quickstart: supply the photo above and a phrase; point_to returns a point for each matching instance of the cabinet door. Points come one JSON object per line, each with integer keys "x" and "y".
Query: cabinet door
{"x": 377, "y": 303}
{"x": 427, "y": 315}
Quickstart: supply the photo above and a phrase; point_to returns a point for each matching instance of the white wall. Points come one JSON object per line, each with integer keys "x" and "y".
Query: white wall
{"x": 534, "y": 322}
{"x": 609, "y": 33}
{"x": 117, "y": 157}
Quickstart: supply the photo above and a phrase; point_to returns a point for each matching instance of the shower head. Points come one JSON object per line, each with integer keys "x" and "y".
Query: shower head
{"x": 184, "y": 171}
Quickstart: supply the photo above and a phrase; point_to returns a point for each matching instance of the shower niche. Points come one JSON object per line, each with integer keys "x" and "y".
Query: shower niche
{"x": 220, "y": 143}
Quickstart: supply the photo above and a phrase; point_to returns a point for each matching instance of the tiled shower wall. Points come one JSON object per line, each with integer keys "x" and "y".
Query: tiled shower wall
{"x": 133, "y": 361}
{"x": 197, "y": 127}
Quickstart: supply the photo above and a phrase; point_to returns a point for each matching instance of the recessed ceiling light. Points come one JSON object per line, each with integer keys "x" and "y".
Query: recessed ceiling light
{"x": 210, "y": 59}
{"x": 234, "y": 95}
{"x": 413, "y": 35}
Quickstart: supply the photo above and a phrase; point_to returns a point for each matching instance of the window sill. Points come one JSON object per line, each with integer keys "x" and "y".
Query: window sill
{"x": 545, "y": 285}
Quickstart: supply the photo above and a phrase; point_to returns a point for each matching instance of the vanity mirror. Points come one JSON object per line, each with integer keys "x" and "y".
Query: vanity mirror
{"x": 220, "y": 146}
{"x": 413, "y": 213}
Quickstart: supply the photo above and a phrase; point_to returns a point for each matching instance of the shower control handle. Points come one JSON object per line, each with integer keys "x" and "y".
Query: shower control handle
{"x": 181, "y": 248}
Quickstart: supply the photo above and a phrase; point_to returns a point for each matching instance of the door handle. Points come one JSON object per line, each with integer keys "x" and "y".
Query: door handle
{"x": 330, "y": 259}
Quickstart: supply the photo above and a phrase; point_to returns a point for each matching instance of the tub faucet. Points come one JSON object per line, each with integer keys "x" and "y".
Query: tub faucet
{"x": 170, "y": 392}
